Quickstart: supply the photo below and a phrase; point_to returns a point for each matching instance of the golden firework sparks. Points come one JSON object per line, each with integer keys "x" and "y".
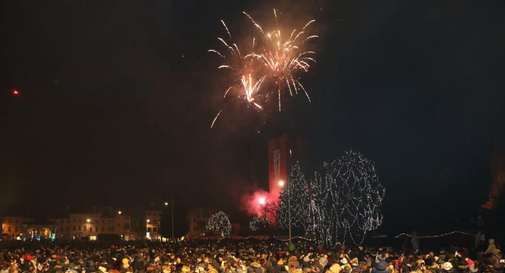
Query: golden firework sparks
{"x": 251, "y": 87}
{"x": 284, "y": 56}
{"x": 278, "y": 57}
{"x": 241, "y": 69}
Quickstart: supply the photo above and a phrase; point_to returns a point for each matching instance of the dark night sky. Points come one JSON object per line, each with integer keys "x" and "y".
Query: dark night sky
{"x": 117, "y": 97}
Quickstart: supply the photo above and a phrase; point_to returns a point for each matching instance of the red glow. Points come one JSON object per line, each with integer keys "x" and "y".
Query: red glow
{"x": 255, "y": 202}
{"x": 15, "y": 93}
{"x": 260, "y": 203}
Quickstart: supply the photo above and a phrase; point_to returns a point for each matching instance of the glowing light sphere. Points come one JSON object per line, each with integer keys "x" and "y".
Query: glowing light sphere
{"x": 262, "y": 200}
{"x": 119, "y": 212}
{"x": 281, "y": 183}
{"x": 88, "y": 220}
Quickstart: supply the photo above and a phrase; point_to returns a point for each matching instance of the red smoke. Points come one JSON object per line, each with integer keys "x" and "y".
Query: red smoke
{"x": 260, "y": 203}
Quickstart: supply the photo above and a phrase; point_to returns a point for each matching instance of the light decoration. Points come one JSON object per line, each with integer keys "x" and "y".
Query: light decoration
{"x": 298, "y": 190}
{"x": 342, "y": 203}
{"x": 219, "y": 224}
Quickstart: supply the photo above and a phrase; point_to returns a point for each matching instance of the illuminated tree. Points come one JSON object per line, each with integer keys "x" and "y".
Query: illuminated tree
{"x": 295, "y": 200}
{"x": 341, "y": 203}
{"x": 219, "y": 224}
{"x": 351, "y": 202}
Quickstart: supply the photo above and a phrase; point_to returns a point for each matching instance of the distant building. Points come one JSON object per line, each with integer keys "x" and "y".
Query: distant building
{"x": 108, "y": 224}
{"x": 13, "y": 227}
{"x": 40, "y": 232}
{"x": 197, "y": 219}
{"x": 153, "y": 220}
{"x": 91, "y": 225}
{"x": 22, "y": 228}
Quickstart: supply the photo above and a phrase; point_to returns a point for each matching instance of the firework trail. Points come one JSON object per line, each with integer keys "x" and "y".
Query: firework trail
{"x": 215, "y": 118}
{"x": 242, "y": 70}
{"x": 251, "y": 87}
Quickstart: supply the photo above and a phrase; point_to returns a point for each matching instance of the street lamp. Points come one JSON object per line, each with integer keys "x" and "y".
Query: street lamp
{"x": 148, "y": 221}
{"x": 88, "y": 220}
{"x": 172, "y": 204}
{"x": 281, "y": 183}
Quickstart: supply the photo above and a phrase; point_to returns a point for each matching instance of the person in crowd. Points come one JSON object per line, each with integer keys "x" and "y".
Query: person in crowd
{"x": 491, "y": 248}
{"x": 235, "y": 256}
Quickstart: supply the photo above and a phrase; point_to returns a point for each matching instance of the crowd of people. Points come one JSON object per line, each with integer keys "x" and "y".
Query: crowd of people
{"x": 242, "y": 256}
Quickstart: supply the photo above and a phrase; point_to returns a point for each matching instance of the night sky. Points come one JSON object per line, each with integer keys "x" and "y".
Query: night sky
{"x": 116, "y": 98}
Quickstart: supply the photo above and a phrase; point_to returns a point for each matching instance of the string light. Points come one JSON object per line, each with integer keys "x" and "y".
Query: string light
{"x": 220, "y": 224}
{"x": 342, "y": 203}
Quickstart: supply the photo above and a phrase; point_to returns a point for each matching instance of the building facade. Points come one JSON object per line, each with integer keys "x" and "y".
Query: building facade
{"x": 91, "y": 225}
{"x": 14, "y": 227}
{"x": 86, "y": 226}
{"x": 22, "y": 228}
{"x": 40, "y": 232}
{"x": 153, "y": 224}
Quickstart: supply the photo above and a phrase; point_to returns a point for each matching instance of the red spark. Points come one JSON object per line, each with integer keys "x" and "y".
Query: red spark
{"x": 15, "y": 93}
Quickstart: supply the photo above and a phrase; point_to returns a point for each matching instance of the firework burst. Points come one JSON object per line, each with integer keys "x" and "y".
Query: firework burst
{"x": 275, "y": 57}
{"x": 284, "y": 56}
